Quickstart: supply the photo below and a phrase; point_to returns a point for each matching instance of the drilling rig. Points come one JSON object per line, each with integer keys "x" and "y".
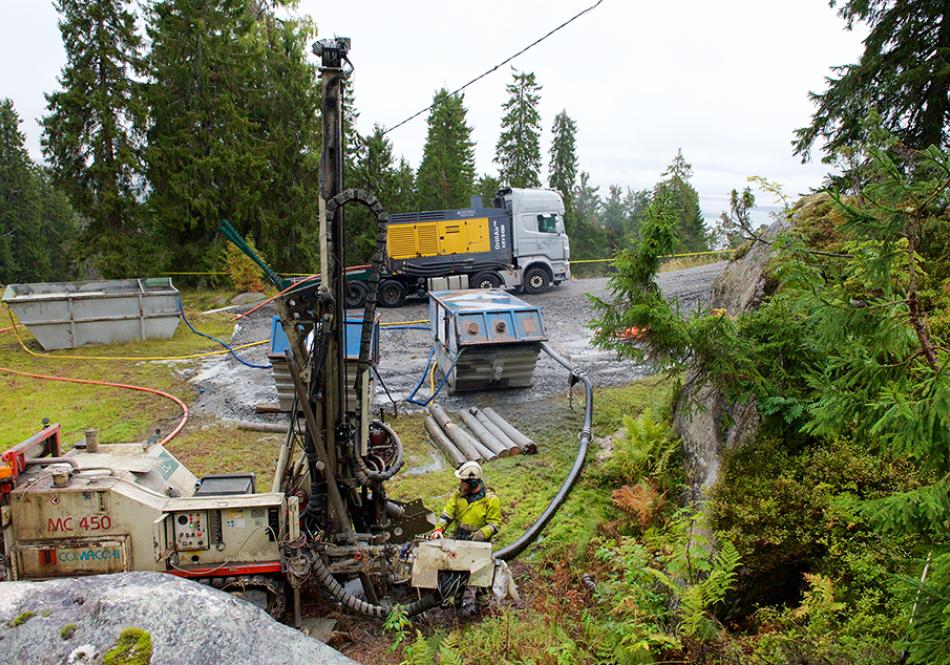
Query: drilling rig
{"x": 107, "y": 508}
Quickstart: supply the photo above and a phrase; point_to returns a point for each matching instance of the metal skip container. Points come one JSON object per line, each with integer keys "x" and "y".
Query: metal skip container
{"x": 65, "y": 315}
{"x": 485, "y": 338}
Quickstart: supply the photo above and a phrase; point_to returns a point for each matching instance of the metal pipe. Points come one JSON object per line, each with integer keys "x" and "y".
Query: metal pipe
{"x": 47, "y": 461}
{"x": 462, "y": 441}
{"x": 513, "y": 550}
{"x": 343, "y": 518}
{"x": 92, "y": 441}
{"x": 513, "y": 448}
{"x": 484, "y": 451}
{"x": 483, "y": 434}
{"x": 527, "y": 445}
{"x": 442, "y": 442}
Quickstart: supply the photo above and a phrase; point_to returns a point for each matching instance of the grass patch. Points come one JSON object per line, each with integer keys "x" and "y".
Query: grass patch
{"x": 67, "y": 631}
{"x": 527, "y": 483}
{"x": 134, "y": 647}
{"x": 22, "y": 618}
{"x": 119, "y": 415}
{"x": 211, "y": 447}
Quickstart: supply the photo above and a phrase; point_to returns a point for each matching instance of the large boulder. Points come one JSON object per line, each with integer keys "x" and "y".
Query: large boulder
{"x": 78, "y": 620}
{"x": 707, "y": 422}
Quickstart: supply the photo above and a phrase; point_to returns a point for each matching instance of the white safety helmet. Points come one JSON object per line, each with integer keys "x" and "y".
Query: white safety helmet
{"x": 469, "y": 471}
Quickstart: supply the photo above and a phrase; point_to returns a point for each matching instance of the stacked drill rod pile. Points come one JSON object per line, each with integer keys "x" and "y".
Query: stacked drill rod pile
{"x": 487, "y": 436}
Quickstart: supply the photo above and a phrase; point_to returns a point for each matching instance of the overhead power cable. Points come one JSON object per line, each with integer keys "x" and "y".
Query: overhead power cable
{"x": 500, "y": 64}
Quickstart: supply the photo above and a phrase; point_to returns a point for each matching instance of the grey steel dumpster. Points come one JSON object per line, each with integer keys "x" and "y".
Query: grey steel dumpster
{"x": 64, "y": 315}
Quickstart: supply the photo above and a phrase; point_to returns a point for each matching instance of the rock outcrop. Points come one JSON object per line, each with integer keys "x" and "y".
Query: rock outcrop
{"x": 708, "y": 423}
{"x": 80, "y": 619}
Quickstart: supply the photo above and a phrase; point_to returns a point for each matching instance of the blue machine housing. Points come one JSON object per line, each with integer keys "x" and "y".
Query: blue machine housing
{"x": 485, "y": 338}
{"x": 282, "y": 378}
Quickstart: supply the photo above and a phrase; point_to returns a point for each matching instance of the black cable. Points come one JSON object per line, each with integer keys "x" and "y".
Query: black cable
{"x": 503, "y": 62}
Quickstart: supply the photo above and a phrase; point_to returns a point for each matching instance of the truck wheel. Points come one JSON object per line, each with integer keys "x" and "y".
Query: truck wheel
{"x": 392, "y": 293}
{"x": 356, "y": 293}
{"x": 485, "y": 280}
{"x": 536, "y": 280}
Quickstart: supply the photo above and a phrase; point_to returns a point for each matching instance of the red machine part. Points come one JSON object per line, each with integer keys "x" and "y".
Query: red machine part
{"x": 45, "y": 443}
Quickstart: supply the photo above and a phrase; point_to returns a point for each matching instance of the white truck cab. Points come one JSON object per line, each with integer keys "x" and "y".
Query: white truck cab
{"x": 540, "y": 247}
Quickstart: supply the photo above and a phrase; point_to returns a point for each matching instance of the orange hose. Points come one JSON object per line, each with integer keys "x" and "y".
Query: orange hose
{"x": 275, "y": 297}
{"x": 154, "y": 391}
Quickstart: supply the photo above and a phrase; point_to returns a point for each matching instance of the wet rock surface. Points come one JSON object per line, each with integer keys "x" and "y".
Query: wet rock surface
{"x": 189, "y": 623}
{"x": 706, "y": 421}
{"x": 230, "y": 390}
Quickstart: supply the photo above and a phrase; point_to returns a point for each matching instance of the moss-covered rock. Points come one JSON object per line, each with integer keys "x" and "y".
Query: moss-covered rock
{"x": 134, "y": 647}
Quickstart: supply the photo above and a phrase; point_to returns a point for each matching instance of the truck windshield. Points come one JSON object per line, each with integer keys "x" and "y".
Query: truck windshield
{"x": 547, "y": 223}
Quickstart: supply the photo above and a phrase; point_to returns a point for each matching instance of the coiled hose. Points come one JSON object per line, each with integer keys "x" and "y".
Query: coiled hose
{"x": 365, "y": 475}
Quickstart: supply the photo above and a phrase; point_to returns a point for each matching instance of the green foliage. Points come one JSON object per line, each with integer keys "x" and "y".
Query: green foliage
{"x": 904, "y": 74}
{"x": 562, "y": 162}
{"x": 588, "y": 237}
{"x": 486, "y": 187}
{"x": 660, "y": 592}
{"x": 67, "y": 631}
{"x": 38, "y": 226}
{"x": 446, "y": 175}
{"x": 90, "y": 139}
{"x": 244, "y": 274}
{"x": 644, "y": 448}
{"x": 683, "y": 200}
{"x": 134, "y": 647}
{"x": 232, "y": 129}
{"x": 518, "y": 152}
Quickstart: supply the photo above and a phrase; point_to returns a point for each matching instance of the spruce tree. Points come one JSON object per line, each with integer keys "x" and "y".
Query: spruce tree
{"x": 486, "y": 187}
{"x": 89, "y": 138}
{"x": 903, "y": 74}
{"x": 446, "y": 176}
{"x": 20, "y": 210}
{"x": 518, "y": 152}
{"x": 285, "y": 112}
{"x": 562, "y": 166}
{"x": 204, "y": 163}
{"x": 692, "y": 235}
{"x": 37, "y": 223}
{"x": 590, "y": 239}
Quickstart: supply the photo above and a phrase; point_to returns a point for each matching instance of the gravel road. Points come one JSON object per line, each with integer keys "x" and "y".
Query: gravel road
{"x": 230, "y": 390}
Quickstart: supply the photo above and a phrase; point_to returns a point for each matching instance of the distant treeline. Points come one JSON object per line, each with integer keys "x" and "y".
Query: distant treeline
{"x": 214, "y": 113}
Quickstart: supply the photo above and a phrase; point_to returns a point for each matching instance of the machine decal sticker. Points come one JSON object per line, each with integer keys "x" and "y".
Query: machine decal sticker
{"x": 167, "y": 464}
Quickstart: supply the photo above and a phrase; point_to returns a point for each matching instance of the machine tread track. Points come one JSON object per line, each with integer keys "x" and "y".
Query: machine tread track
{"x": 272, "y": 586}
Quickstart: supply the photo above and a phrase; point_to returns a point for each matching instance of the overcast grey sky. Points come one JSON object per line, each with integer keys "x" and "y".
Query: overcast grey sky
{"x": 726, "y": 81}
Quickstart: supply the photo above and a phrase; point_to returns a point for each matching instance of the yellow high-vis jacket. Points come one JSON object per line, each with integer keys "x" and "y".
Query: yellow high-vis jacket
{"x": 478, "y": 512}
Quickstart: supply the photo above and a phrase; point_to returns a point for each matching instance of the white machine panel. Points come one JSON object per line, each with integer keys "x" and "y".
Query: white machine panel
{"x": 191, "y": 531}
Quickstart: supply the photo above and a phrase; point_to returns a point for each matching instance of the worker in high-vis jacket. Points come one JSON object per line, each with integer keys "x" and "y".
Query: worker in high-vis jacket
{"x": 474, "y": 509}
{"x": 476, "y": 513}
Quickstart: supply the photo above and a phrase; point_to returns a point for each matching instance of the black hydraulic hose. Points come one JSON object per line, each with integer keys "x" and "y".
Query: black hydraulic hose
{"x": 369, "y": 200}
{"x": 511, "y": 551}
{"x": 325, "y": 577}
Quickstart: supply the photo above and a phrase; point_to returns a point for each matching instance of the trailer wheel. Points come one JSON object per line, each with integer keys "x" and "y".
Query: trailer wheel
{"x": 392, "y": 293}
{"x": 485, "y": 280}
{"x": 356, "y": 293}
{"x": 536, "y": 280}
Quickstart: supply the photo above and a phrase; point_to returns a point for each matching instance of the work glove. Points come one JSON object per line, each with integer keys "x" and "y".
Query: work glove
{"x": 436, "y": 534}
{"x": 479, "y": 537}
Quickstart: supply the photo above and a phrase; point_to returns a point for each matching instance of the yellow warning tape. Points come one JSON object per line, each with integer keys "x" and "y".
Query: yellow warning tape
{"x": 191, "y": 356}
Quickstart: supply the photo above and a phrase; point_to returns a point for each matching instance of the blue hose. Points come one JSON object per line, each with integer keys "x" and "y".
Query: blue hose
{"x": 241, "y": 360}
{"x": 406, "y": 328}
{"x": 445, "y": 377}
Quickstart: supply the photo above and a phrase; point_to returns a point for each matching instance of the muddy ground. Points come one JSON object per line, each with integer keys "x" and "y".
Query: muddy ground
{"x": 229, "y": 390}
